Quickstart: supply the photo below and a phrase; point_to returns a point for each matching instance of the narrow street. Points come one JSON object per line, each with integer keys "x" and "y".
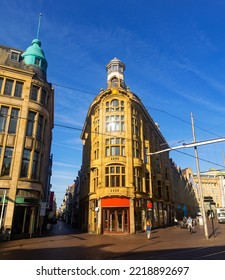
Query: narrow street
{"x": 63, "y": 242}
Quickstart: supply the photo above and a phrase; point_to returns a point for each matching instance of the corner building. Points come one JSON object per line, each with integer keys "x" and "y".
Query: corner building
{"x": 120, "y": 186}
{"x": 26, "y": 122}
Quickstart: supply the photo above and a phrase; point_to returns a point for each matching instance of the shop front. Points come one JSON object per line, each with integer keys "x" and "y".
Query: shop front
{"x": 162, "y": 214}
{"x": 115, "y": 215}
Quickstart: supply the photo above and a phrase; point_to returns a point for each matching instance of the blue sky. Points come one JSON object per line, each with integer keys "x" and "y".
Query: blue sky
{"x": 174, "y": 52}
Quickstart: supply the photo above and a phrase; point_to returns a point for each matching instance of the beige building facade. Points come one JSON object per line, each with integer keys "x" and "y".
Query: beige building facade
{"x": 213, "y": 186}
{"x": 120, "y": 185}
{"x": 26, "y": 123}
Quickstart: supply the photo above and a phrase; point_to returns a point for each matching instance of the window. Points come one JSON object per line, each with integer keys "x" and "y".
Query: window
{"x": 37, "y": 61}
{"x": 18, "y": 89}
{"x": 8, "y": 87}
{"x": 95, "y": 179}
{"x": 166, "y": 173}
{"x": 146, "y": 158}
{"x": 115, "y": 105}
{"x": 25, "y": 163}
{"x": 157, "y": 165}
{"x": 34, "y": 93}
{"x": 40, "y": 127}
{"x": 159, "y": 189}
{"x": 114, "y": 82}
{"x": 137, "y": 179}
{"x": 30, "y": 123}
{"x": 6, "y": 165}
{"x": 114, "y": 123}
{"x": 115, "y": 176}
{"x": 115, "y": 67}
{"x": 147, "y": 182}
{"x": 96, "y": 150}
{"x": 14, "y": 55}
{"x": 135, "y": 127}
{"x": 1, "y": 82}
{"x": 34, "y": 174}
{"x": 43, "y": 97}
{"x": 167, "y": 193}
{"x": 3, "y": 118}
{"x": 136, "y": 149}
{"x": 13, "y": 121}
{"x": 114, "y": 147}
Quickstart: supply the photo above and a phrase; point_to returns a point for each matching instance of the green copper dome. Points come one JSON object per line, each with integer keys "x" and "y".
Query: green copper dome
{"x": 34, "y": 55}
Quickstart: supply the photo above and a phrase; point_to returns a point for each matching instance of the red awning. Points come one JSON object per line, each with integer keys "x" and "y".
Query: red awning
{"x": 115, "y": 202}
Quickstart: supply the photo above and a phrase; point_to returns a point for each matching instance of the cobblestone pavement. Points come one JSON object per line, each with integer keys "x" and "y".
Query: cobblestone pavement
{"x": 63, "y": 242}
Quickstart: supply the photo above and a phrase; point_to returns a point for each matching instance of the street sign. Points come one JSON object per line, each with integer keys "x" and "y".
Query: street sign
{"x": 43, "y": 209}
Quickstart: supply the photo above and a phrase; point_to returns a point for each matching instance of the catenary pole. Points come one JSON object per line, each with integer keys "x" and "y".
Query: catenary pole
{"x": 199, "y": 181}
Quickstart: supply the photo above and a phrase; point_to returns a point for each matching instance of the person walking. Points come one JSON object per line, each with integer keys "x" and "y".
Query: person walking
{"x": 148, "y": 228}
{"x": 189, "y": 224}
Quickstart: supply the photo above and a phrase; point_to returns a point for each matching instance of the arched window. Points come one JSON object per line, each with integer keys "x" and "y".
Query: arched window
{"x": 114, "y": 82}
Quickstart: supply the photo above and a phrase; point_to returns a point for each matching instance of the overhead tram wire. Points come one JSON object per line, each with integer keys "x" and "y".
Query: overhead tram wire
{"x": 74, "y": 89}
{"x": 159, "y": 110}
{"x": 208, "y": 161}
{"x": 165, "y": 112}
{"x": 79, "y": 129}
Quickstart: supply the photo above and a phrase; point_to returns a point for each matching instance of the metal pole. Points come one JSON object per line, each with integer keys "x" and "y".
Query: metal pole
{"x": 212, "y": 216}
{"x": 199, "y": 181}
{"x": 3, "y": 206}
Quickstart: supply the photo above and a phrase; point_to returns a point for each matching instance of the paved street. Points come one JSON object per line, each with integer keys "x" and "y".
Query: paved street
{"x": 63, "y": 242}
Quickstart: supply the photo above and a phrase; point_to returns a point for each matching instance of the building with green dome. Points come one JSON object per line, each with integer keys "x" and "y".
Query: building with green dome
{"x": 26, "y": 123}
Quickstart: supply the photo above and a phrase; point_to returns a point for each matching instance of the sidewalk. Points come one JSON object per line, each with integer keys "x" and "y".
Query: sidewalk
{"x": 64, "y": 242}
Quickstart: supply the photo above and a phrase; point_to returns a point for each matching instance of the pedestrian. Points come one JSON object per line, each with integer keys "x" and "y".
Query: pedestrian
{"x": 189, "y": 224}
{"x": 148, "y": 228}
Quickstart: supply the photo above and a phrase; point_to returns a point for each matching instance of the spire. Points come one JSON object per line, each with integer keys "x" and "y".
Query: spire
{"x": 34, "y": 55}
{"x": 39, "y": 24}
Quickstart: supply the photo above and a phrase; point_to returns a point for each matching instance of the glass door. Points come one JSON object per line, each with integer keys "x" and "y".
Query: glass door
{"x": 115, "y": 220}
